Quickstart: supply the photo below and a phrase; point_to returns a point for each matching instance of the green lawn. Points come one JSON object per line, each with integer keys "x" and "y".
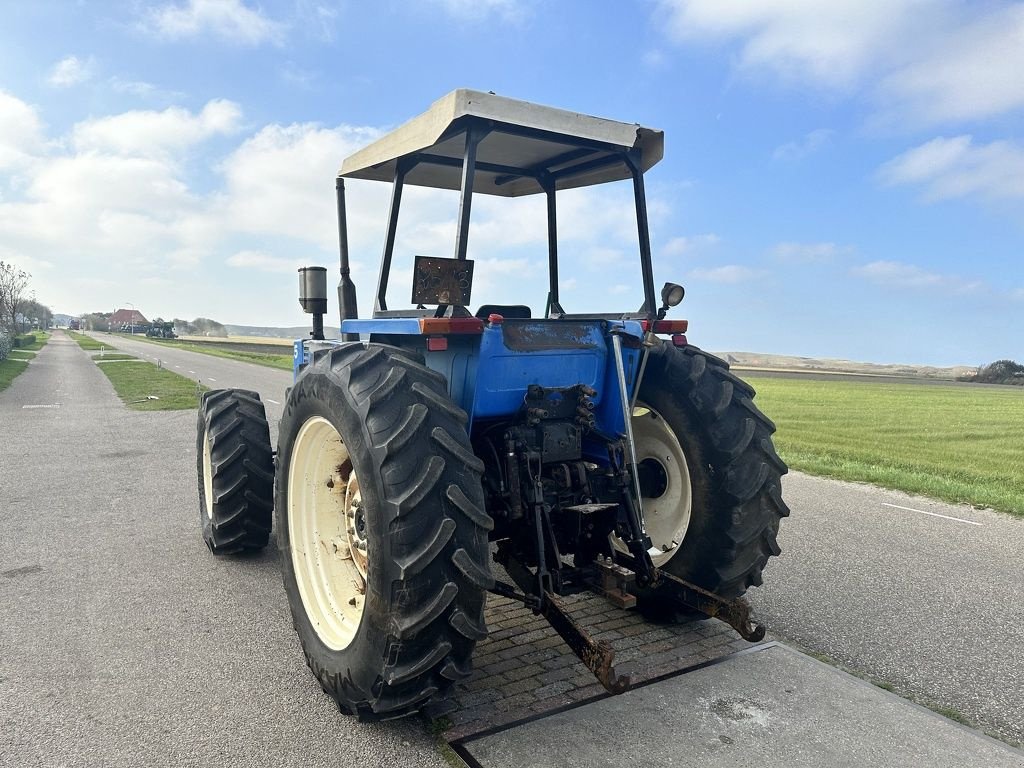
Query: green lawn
{"x": 9, "y": 369}
{"x": 41, "y": 338}
{"x": 136, "y": 381}
{"x": 17, "y": 359}
{"x": 88, "y": 343}
{"x": 282, "y": 361}
{"x": 958, "y": 443}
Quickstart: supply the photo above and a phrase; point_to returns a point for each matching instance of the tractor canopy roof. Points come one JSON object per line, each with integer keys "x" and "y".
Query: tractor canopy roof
{"x": 527, "y": 147}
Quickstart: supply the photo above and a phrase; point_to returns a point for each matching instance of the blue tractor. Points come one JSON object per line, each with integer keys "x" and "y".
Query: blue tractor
{"x": 593, "y": 451}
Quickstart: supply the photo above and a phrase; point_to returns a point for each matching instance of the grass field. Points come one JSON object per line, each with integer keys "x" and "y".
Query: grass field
{"x": 9, "y": 370}
{"x": 17, "y": 360}
{"x": 282, "y": 361}
{"x": 88, "y": 343}
{"x": 137, "y": 381}
{"x": 958, "y": 443}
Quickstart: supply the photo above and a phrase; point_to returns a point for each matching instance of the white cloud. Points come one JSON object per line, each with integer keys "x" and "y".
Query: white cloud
{"x": 229, "y": 20}
{"x": 21, "y": 132}
{"x": 970, "y": 71}
{"x": 281, "y": 182}
{"x": 901, "y": 275}
{"x": 809, "y": 253}
{"x": 728, "y": 273}
{"x": 922, "y": 61}
{"x": 149, "y": 133}
{"x": 829, "y": 43}
{"x": 805, "y": 146}
{"x": 264, "y": 262}
{"x": 71, "y": 70}
{"x": 957, "y": 167}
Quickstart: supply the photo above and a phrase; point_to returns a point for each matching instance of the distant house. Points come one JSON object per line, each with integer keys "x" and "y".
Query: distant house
{"x": 126, "y": 318}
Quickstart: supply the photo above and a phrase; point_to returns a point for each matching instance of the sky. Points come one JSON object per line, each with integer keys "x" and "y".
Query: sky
{"x": 841, "y": 179}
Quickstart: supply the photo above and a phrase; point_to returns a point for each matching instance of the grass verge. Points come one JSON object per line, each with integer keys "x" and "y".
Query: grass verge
{"x": 88, "y": 343}
{"x": 9, "y": 369}
{"x": 138, "y": 382}
{"x": 957, "y": 443}
{"x": 282, "y": 362}
{"x": 17, "y": 359}
{"x": 41, "y": 338}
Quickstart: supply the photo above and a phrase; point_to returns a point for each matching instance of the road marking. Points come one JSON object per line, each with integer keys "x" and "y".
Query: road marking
{"x": 272, "y": 401}
{"x": 28, "y": 407}
{"x": 192, "y": 372}
{"x": 177, "y": 366}
{"x": 933, "y": 514}
{"x": 211, "y": 379}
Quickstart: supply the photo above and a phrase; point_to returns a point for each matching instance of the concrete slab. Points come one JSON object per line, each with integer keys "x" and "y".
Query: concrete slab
{"x": 769, "y": 707}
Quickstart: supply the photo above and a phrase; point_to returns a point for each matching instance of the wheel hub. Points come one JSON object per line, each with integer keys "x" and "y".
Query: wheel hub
{"x": 664, "y": 476}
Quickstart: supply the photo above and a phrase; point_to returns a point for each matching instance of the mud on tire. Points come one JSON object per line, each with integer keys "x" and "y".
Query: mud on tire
{"x": 735, "y": 473}
{"x": 425, "y": 529}
{"x": 235, "y": 465}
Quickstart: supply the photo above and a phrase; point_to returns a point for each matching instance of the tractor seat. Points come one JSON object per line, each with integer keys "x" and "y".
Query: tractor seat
{"x": 510, "y": 311}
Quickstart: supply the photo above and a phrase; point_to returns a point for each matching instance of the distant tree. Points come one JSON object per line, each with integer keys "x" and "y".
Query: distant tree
{"x": 96, "y": 321}
{"x": 13, "y": 287}
{"x": 999, "y": 372}
{"x": 40, "y": 312}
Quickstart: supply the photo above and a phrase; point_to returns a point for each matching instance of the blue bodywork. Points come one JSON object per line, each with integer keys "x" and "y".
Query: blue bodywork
{"x": 488, "y": 372}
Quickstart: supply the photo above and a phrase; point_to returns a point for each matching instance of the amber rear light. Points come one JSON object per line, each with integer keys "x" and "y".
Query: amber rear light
{"x": 667, "y": 326}
{"x": 451, "y": 325}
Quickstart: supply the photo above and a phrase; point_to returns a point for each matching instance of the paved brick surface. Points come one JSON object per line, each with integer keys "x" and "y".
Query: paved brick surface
{"x": 524, "y": 668}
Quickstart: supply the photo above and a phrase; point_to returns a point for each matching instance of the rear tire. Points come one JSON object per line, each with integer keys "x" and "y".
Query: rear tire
{"x": 734, "y": 472}
{"x": 235, "y": 464}
{"x": 386, "y": 586}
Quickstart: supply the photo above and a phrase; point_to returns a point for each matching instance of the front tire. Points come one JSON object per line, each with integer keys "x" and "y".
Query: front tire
{"x": 235, "y": 465}
{"x": 385, "y": 582}
{"x": 732, "y": 472}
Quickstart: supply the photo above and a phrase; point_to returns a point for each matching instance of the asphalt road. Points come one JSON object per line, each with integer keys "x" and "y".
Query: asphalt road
{"x": 929, "y": 604}
{"x": 126, "y": 643}
{"x": 123, "y": 642}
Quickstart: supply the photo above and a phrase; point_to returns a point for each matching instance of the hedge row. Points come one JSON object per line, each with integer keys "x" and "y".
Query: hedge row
{"x": 5, "y": 345}
{"x": 25, "y": 340}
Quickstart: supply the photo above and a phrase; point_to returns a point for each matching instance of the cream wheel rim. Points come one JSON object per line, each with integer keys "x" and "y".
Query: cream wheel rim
{"x": 327, "y": 532}
{"x": 667, "y": 496}
{"x": 208, "y": 475}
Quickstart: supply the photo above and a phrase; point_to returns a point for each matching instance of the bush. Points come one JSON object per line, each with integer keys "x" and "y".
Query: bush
{"x": 999, "y": 372}
{"x": 5, "y": 344}
{"x": 25, "y": 340}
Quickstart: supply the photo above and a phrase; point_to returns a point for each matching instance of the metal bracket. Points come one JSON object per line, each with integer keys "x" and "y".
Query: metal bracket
{"x": 597, "y": 655}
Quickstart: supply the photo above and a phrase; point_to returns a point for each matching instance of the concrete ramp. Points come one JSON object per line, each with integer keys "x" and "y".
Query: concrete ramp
{"x": 770, "y": 707}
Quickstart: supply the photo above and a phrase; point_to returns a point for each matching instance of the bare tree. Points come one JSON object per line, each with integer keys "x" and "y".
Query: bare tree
{"x": 13, "y": 282}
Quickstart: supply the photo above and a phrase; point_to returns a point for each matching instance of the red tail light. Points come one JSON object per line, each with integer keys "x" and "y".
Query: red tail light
{"x": 451, "y": 325}
{"x": 667, "y": 326}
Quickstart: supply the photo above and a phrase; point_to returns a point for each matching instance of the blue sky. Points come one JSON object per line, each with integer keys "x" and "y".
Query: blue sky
{"x": 841, "y": 178}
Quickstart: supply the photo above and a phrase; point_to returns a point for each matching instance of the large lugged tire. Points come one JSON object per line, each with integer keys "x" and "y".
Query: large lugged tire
{"x": 235, "y": 464}
{"x": 382, "y": 530}
{"x": 729, "y": 471}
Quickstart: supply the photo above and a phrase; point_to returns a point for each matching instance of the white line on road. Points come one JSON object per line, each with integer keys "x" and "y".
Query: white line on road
{"x": 933, "y": 514}
{"x": 272, "y": 401}
{"x": 192, "y": 372}
{"x": 28, "y": 407}
{"x": 177, "y": 366}
{"x": 211, "y": 379}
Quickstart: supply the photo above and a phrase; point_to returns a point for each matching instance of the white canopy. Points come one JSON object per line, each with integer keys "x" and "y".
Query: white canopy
{"x": 576, "y": 150}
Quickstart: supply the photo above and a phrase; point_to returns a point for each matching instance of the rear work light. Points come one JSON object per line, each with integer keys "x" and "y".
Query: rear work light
{"x": 666, "y": 326}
